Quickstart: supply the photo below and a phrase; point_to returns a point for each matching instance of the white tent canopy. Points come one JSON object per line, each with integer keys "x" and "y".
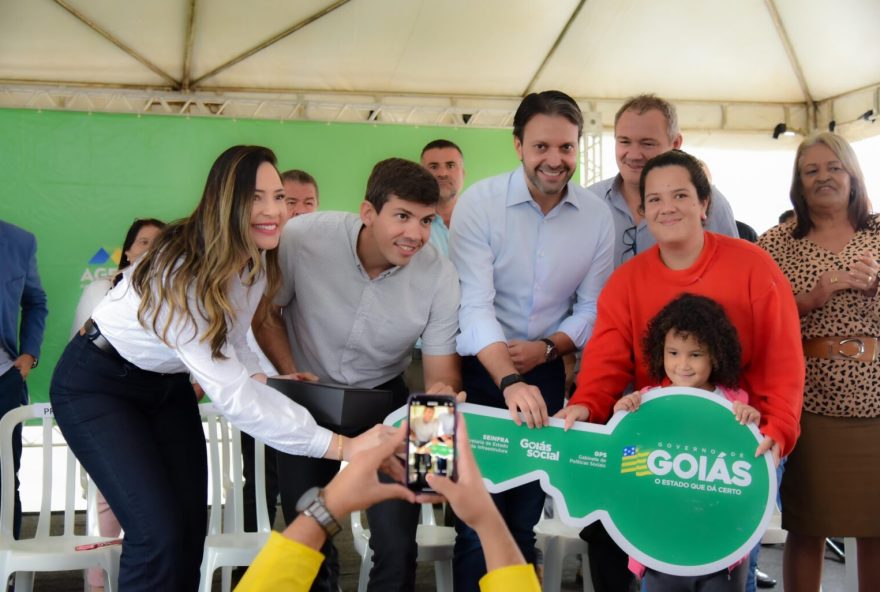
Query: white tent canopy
{"x": 741, "y": 66}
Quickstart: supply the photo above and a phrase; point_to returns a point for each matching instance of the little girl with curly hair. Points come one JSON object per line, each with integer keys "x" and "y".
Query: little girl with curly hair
{"x": 691, "y": 342}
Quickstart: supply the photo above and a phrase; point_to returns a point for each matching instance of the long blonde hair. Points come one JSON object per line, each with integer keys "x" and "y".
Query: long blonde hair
{"x": 202, "y": 253}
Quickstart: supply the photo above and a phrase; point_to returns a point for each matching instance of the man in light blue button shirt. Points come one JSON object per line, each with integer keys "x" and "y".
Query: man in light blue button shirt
{"x": 445, "y": 161}
{"x": 644, "y": 127}
{"x": 533, "y": 251}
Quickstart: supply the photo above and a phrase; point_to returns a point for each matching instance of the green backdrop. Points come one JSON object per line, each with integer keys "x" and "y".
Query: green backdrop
{"x": 77, "y": 180}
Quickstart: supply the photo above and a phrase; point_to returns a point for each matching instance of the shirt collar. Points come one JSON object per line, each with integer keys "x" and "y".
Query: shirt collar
{"x": 614, "y": 197}
{"x": 353, "y": 235}
{"x": 518, "y": 192}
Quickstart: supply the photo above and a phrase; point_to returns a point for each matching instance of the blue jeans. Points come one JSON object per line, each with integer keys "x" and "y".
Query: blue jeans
{"x": 139, "y": 436}
{"x": 521, "y": 506}
{"x": 751, "y": 583}
{"x": 13, "y": 394}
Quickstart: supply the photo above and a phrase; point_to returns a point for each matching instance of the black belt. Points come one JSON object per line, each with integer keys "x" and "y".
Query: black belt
{"x": 91, "y": 332}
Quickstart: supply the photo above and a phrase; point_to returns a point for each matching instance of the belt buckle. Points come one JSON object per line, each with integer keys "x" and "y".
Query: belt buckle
{"x": 856, "y": 356}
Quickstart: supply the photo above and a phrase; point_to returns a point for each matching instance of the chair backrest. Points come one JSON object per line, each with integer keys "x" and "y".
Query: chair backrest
{"x": 226, "y": 474}
{"x": 9, "y": 422}
{"x": 357, "y": 526}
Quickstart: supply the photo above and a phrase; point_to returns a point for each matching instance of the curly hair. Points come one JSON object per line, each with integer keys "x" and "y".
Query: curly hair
{"x": 703, "y": 319}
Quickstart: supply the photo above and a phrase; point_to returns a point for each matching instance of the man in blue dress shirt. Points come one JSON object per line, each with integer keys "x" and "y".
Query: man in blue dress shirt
{"x": 22, "y": 294}
{"x": 533, "y": 251}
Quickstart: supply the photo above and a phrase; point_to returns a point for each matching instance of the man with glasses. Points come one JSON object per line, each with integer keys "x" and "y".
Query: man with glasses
{"x": 644, "y": 127}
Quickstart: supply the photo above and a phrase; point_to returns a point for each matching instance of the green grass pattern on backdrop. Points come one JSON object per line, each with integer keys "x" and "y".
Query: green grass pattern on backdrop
{"x": 77, "y": 180}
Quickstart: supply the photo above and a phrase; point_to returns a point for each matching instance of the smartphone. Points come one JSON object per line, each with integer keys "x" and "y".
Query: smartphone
{"x": 430, "y": 448}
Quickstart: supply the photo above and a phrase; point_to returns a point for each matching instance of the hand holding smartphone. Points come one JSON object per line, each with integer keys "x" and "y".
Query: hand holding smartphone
{"x": 430, "y": 447}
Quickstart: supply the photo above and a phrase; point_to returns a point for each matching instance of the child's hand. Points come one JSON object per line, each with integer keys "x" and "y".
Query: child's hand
{"x": 746, "y": 414}
{"x": 630, "y": 402}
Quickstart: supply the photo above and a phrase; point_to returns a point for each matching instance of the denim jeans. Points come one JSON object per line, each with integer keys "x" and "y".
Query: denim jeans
{"x": 521, "y": 506}
{"x": 139, "y": 435}
{"x": 13, "y": 394}
{"x": 751, "y": 579}
{"x": 296, "y": 475}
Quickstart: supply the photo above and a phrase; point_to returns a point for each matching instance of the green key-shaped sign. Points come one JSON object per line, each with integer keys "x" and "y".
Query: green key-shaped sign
{"x": 676, "y": 483}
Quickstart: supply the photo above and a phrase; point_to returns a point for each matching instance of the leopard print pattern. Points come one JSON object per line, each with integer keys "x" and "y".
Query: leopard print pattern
{"x": 839, "y": 388}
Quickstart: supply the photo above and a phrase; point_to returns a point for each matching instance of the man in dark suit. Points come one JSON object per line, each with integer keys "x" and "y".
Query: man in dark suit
{"x": 20, "y": 294}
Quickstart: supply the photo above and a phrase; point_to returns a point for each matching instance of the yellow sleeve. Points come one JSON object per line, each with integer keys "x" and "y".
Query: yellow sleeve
{"x": 283, "y": 564}
{"x": 513, "y": 578}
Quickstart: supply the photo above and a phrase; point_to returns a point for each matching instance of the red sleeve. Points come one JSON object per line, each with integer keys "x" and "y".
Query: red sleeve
{"x": 607, "y": 366}
{"x": 775, "y": 376}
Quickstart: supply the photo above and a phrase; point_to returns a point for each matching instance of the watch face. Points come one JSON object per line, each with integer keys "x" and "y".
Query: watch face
{"x": 307, "y": 498}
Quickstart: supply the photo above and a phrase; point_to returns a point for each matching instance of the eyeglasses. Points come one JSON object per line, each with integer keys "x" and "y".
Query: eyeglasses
{"x": 629, "y": 241}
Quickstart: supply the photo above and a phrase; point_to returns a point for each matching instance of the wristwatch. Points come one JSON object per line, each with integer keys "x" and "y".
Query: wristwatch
{"x": 509, "y": 380}
{"x": 311, "y": 503}
{"x": 551, "y": 353}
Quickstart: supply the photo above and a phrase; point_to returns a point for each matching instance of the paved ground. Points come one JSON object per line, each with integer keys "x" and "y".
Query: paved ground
{"x": 771, "y": 562}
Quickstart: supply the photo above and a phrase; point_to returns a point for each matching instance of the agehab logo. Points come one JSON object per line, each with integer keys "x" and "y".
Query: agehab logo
{"x": 102, "y": 264}
{"x": 694, "y": 468}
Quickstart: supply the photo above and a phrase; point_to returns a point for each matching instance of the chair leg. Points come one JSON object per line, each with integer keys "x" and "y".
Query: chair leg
{"x": 443, "y": 575}
{"x": 366, "y": 566}
{"x": 585, "y": 570}
{"x": 226, "y": 579}
{"x": 552, "y": 565}
{"x": 207, "y": 574}
{"x": 24, "y": 581}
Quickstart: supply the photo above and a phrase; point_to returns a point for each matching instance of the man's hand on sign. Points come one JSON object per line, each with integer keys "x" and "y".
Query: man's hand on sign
{"x": 527, "y": 399}
{"x": 441, "y": 388}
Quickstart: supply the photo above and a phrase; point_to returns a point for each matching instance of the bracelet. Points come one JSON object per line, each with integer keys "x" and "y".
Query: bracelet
{"x": 339, "y": 440}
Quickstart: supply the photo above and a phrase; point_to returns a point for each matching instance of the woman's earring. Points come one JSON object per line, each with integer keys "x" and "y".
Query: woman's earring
{"x": 704, "y": 217}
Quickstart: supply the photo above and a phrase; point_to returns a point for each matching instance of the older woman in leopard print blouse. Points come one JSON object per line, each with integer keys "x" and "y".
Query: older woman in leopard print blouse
{"x": 829, "y": 254}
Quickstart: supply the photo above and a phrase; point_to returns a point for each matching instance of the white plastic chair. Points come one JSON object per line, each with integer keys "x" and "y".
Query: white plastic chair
{"x": 92, "y": 526}
{"x": 557, "y": 541}
{"x": 435, "y": 544}
{"x": 45, "y": 552}
{"x": 228, "y": 545}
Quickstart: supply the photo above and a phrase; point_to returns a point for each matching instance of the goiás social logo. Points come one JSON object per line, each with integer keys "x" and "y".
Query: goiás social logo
{"x": 542, "y": 450}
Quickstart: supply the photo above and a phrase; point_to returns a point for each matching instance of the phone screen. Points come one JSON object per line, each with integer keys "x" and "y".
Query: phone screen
{"x": 431, "y": 444}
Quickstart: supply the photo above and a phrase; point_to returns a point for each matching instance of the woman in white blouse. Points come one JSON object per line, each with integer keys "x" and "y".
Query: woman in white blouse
{"x": 121, "y": 391}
